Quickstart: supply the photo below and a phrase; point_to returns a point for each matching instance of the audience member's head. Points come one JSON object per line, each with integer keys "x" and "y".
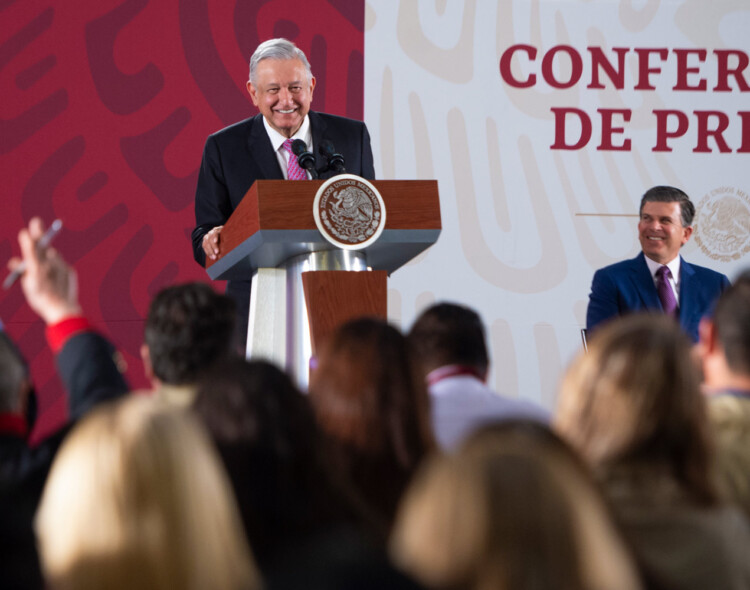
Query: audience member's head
{"x": 14, "y": 377}
{"x": 136, "y": 498}
{"x": 725, "y": 337}
{"x": 724, "y": 351}
{"x": 370, "y": 400}
{"x": 189, "y": 327}
{"x": 266, "y": 434}
{"x": 514, "y": 507}
{"x": 450, "y": 334}
{"x": 634, "y": 399}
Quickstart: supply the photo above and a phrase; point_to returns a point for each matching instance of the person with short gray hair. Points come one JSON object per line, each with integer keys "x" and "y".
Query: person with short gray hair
{"x": 279, "y": 49}
{"x": 281, "y": 85}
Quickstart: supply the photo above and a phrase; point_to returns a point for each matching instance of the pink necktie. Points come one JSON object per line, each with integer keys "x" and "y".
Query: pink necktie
{"x": 293, "y": 170}
{"x": 666, "y": 294}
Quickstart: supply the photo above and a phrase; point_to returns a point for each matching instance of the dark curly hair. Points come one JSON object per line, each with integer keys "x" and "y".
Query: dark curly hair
{"x": 188, "y": 328}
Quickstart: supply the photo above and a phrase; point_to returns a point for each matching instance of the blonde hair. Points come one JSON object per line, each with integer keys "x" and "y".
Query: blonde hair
{"x": 136, "y": 499}
{"x": 512, "y": 509}
{"x": 634, "y": 399}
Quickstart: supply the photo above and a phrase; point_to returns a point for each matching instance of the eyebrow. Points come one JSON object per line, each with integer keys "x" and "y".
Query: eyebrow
{"x": 660, "y": 217}
{"x": 293, "y": 83}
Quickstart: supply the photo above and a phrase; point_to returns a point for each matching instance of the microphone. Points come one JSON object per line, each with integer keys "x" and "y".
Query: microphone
{"x": 304, "y": 158}
{"x": 334, "y": 159}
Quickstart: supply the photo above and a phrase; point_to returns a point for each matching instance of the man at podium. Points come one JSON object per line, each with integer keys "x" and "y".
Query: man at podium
{"x": 281, "y": 85}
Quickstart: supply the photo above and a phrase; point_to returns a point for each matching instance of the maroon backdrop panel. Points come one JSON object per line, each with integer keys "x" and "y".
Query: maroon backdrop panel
{"x": 105, "y": 108}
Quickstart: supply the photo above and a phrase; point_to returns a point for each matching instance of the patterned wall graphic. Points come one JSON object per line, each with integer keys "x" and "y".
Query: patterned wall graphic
{"x": 106, "y": 105}
{"x": 525, "y": 224}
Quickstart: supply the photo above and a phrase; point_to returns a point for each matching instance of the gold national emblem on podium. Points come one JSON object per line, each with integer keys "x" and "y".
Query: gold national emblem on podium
{"x": 349, "y": 212}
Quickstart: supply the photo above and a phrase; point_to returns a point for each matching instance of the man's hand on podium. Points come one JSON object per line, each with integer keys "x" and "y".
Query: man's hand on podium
{"x": 211, "y": 244}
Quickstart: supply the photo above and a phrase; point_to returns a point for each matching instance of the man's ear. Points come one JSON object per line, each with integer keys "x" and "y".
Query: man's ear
{"x": 707, "y": 335}
{"x": 252, "y": 92}
{"x": 686, "y": 233}
{"x": 148, "y": 368}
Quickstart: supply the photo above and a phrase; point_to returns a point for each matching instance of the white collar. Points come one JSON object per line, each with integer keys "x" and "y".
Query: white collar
{"x": 303, "y": 133}
{"x": 673, "y": 265}
{"x": 449, "y": 371}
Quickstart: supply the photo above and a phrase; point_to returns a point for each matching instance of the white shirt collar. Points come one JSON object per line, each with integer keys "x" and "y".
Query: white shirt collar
{"x": 303, "y": 133}
{"x": 451, "y": 371}
{"x": 673, "y": 265}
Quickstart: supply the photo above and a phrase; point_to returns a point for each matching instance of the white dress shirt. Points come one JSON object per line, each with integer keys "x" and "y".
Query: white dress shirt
{"x": 461, "y": 403}
{"x": 674, "y": 282}
{"x": 277, "y": 140}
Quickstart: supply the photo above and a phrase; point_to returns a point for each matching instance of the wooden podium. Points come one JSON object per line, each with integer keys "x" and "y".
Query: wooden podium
{"x": 302, "y": 285}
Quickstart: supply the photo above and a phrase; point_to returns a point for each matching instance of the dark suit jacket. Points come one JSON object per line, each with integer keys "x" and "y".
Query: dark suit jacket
{"x": 235, "y": 157}
{"x": 628, "y": 286}
{"x": 87, "y": 368}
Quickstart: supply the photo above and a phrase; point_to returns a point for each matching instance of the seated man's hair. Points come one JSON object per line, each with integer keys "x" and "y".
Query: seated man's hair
{"x": 670, "y": 194}
{"x": 188, "y": 328}
{"x": 449, "y": 334}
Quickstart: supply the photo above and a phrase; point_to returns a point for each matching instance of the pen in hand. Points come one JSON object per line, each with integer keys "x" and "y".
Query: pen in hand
{"x": 44, "y": 242}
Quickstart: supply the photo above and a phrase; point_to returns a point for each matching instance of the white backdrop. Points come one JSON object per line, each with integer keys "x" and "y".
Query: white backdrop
{"x": 525, "y": 225}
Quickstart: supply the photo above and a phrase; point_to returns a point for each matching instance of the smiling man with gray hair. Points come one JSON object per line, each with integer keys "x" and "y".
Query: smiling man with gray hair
{"x": 281, "y": 86}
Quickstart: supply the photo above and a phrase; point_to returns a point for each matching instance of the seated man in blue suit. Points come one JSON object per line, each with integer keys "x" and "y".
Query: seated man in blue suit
{"x": 658, "y": 279}
{"x": 281, "y": 86}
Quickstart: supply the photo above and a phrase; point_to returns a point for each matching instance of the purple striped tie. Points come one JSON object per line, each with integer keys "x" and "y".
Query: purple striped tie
{"x": 293, "y": 170}
{"x": 666, "y": 294}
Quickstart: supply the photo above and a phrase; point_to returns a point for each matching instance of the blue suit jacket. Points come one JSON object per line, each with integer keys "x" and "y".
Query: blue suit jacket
{"x": 627, "y": 287}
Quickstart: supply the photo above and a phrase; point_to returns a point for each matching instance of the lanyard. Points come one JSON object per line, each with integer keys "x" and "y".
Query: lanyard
{"x": 452, "y": 371}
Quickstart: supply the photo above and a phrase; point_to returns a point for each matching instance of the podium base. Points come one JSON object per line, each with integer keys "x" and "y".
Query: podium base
{"x": 279, "y": 324}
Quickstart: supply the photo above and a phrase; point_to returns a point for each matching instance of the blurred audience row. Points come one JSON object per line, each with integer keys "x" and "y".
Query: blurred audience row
{"x": 399, "y": 468}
